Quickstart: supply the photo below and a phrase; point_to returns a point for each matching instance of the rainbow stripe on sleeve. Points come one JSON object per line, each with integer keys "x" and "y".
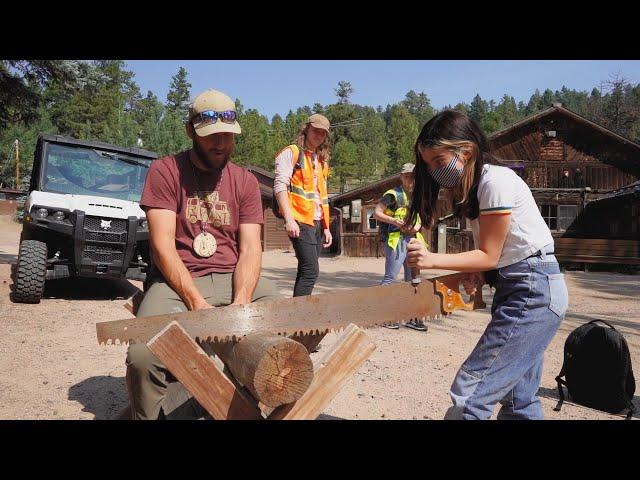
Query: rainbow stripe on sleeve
{"x": 496, "y": 211}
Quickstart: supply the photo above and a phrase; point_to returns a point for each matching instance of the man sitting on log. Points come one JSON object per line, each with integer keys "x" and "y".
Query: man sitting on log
{"x": 205, "y": 216}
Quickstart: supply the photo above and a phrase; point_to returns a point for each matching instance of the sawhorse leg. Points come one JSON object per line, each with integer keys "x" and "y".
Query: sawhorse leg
{"x": 218, "y": 395}
{"x": 198, "y": 373}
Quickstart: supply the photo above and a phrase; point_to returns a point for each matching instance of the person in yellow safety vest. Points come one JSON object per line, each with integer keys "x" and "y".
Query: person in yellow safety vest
{"x": 392, "y": 210}
{"x": 300, "y": 187}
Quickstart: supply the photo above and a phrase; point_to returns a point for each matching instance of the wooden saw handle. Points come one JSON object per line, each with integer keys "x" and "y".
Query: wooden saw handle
{"x": 415, "y": 276}
{"x": 449, "y": 288}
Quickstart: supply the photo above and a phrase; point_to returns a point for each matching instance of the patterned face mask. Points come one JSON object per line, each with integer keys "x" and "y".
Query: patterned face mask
{"x": 448, "y": 176}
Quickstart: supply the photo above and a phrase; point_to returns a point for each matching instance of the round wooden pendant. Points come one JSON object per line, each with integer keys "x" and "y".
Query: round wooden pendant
{"x": 205, "y": 244}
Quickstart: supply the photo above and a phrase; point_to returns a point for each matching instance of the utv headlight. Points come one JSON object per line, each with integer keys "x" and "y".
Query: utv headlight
{"x": 58, "y": 216}
{"x": 42, "y": 213}
{"x": 144, "y": 225}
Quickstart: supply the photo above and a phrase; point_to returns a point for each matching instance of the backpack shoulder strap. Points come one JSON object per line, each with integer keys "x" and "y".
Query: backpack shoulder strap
{"x": 560, "y": 382}
{"x": 298, "y": 155}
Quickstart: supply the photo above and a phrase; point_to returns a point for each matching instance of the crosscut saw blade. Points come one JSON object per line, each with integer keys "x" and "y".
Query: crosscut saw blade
{"x": 307, "y": 315}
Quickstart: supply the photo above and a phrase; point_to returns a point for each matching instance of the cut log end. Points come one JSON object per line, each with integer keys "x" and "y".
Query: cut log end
{"x": 276, "y": 370}
{"x": 284, "y": 374}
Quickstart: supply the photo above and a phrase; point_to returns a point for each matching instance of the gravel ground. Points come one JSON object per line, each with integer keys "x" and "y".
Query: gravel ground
{"x": 51, "y": 366}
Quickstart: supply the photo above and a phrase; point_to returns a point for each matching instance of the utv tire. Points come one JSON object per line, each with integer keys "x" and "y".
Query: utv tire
{"x": 31, "y": 271}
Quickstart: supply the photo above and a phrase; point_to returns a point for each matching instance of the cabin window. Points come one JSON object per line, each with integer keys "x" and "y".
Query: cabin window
{"x": 550, "y": 215}
{"x": 370, "y": 222}
{"x": 566, "y": 215}
{"x": 614, "y": 228}
{"x": 453, "y": 222}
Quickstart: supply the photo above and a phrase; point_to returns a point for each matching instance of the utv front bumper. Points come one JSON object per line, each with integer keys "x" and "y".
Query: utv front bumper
{"x": 92, "y": 246}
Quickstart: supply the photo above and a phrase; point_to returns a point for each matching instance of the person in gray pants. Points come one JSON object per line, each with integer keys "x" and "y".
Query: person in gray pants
{"x": 205, "y": 216}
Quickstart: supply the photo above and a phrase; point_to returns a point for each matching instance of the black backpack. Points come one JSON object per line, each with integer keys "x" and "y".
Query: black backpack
{"x": 275, "y": 208}
{"x": 597, "y": 369}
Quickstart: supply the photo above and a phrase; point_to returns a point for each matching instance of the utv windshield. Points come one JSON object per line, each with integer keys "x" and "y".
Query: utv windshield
{"x": 85, "y": 171}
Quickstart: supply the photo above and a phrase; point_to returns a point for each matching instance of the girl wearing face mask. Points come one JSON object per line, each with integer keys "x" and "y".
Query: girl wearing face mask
{"x": 510, "y": 236}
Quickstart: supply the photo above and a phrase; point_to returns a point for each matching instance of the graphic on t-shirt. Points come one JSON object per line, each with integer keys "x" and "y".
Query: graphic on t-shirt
{"x": 207, "y": 207}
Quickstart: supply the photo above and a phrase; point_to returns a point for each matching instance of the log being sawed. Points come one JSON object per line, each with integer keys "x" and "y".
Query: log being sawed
{"x": 276, "y": 370}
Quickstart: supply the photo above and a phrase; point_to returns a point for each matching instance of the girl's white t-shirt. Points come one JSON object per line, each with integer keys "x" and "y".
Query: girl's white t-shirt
{"x": 501, "y": 191}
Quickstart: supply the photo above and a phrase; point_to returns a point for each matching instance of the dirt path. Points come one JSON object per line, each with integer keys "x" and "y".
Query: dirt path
{"x": 51, "y": 366}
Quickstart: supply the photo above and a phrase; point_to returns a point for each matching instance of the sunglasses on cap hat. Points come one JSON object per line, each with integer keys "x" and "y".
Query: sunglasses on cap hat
{"x": 211, "y": 116}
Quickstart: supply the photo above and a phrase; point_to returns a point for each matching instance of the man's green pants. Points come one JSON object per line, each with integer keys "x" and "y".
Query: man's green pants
{"x": 153, "y": 392}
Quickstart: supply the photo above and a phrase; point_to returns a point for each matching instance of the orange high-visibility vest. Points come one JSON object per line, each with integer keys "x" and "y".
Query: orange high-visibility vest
{"x": 301, "y": 192}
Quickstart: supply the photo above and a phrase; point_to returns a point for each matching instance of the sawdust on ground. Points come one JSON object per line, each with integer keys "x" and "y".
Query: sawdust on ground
{"x": 51, "y": 366}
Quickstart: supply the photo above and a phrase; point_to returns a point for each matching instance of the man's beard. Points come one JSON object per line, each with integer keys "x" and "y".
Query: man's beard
{"x": 204, "y": 158}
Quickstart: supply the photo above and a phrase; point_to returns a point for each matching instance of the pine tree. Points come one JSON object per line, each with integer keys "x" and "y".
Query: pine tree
{"x": 344, "y": 91}
{"x": 402, "y": 133}
{"x": 179, "y": 93}
{"x": 478, "y": 109}
{"x": 418, "y": 105}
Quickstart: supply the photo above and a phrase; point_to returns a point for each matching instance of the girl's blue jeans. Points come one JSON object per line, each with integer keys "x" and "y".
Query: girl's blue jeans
{"x": 505, "y": 366}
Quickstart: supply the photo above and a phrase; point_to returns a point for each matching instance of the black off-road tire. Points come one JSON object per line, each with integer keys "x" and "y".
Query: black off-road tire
{"x": 31, "y": 271}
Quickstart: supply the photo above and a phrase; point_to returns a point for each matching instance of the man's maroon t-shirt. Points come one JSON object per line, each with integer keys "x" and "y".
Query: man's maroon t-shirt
{"x": 222, "y": 202}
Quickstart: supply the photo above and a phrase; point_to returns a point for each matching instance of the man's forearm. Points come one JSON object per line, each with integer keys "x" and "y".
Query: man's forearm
{"x": 383, "y": 217}
{"x": 178, "y": 277}
{"x": 283, "y": 202}
{"x": 386, "y": 219}
{"x": 246, "y": 276}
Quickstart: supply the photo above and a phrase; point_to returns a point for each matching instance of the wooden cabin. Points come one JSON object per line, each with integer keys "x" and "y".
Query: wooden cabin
{"x": 571, "y": 165}
{"x": 274, "y": 236}
{"x": 354, "y": 229}
{"x": 607, "y": 231}
{"x": 574, "y": 168}
{"x": 10, "y": 200}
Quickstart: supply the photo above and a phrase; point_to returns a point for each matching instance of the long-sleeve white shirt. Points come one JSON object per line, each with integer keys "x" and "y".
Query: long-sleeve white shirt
{"x": 284, "y": 171}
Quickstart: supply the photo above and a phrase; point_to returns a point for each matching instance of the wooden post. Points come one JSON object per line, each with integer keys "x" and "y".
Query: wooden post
{"x": 351, "y": 349}
{"x": 17, "y": 145}
{"x": 193, "y": 368}
{"x": 276, "y": 370}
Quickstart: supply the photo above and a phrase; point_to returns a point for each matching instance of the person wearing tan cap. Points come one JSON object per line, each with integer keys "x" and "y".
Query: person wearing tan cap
{"x": 300, "y": 187}
{"x": 205, "y": 218}
{"x": 391, "y": 211}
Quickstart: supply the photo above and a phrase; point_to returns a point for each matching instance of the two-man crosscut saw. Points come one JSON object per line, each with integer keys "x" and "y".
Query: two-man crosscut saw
{"x": 306, "y": 315}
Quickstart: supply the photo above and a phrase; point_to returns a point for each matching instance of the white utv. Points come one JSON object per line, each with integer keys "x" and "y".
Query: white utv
{"x": 81, "y": 216}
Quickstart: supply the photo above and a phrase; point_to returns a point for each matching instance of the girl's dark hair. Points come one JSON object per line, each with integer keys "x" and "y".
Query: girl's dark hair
{"x": 449, "y": 129}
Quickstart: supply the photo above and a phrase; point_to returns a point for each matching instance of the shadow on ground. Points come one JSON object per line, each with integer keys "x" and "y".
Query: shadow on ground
{"x": 336, "y": 280}
{"x": 103, "y": 396}
{"x": 89, "y": 289}
{"x": 574, "y": 320}
{"x": 8, "y": 258}
{"x": 607, "y": 282}
{"x": 552, "y": 394}
{"x": 84, "y": 288}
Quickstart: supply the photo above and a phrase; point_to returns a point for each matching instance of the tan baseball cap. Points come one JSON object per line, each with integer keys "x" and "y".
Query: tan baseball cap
{"x": 407, "y": 168}
{"x": 319, "y": 121}
{"x": 212, "y": 101}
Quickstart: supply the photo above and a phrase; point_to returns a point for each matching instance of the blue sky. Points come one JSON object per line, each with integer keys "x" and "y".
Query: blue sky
{"x": 276, "y": 86}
